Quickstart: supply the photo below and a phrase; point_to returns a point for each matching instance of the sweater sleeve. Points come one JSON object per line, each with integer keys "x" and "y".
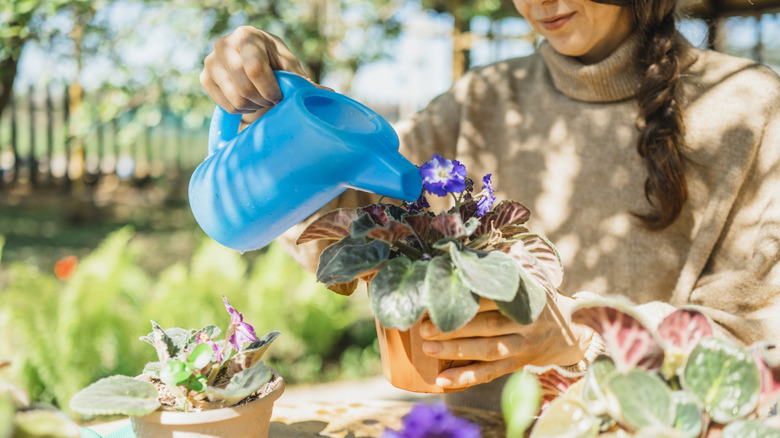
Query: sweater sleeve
{"x": 739, "y": 287}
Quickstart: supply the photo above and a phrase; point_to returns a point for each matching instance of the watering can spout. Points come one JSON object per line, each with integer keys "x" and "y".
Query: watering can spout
{"x": 389, "y": 175}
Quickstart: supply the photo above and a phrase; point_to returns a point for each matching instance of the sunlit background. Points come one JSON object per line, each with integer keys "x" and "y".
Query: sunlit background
{"x": 106, "y": 120}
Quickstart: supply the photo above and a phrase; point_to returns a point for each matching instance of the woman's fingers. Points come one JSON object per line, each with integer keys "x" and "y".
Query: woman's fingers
{"x": 484, "y": 324}
{"x": 483, "y": 349}
{"x": 258, "y": 72}
{"x": 238, "y": 73}
{"x": 476, "y": 373}
{"x": 219, "y": 84}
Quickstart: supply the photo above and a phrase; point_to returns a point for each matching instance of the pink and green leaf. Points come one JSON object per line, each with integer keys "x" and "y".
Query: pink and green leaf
{"x": 684, "y": 328}
{"x": 630, "y": 344}
{"x": 450, "y": 225}
{"x": 391, "y": 232}
{"x": 505, "y": 214}
{"x": 769, "y": 368}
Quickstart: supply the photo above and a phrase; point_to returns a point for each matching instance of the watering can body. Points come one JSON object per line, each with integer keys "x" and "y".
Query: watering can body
{"x": 293, "y": 160}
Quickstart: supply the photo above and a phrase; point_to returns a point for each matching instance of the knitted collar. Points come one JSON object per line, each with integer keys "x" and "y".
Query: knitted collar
{"x": 615, "y": 78}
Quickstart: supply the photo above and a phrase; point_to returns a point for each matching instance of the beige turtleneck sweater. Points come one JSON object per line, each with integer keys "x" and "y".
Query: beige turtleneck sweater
{"x": 560, "y": 137}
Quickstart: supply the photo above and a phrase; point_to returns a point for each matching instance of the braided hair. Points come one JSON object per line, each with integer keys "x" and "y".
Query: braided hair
{"x": 660, "y": 123}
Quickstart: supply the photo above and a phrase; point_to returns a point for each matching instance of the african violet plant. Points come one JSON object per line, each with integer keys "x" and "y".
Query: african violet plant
{"x": 676, "y": 381}
{"x": 416, "y": 261}
{"x": 194, "y": 372}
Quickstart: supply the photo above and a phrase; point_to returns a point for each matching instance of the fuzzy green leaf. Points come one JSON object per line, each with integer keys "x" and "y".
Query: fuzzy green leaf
{"x": 596, "y": 379}
{"x": 643, "y": 399}
{"x": 242, "y": 385}
{"x": 198, "y": 383}
{"x": 658, "y": 432}
{"x": 264, "y": 342}
{"x": 175, "y": 373}
{"x": 347, "y": 259}
{"x": 116, "y": 395}
{"x": 520, "y": 402}
{"x": 491, "y": 275}
{"x": 152, "y": 369}
{"x": 749, "y": 429}
{"x": 450, "y": 303}
{"x": 566, "y": 417}
{"x": 200, "y": 356}
{"x": 688, "y": 414}
{"x": 44, "y": 422}
{"x": 397, "y": 293}
{"x": 527, "y": 304}
{"x": 362, "y": 225}
{"x": 168, "y": 342}
{"x": 724, "y": 377}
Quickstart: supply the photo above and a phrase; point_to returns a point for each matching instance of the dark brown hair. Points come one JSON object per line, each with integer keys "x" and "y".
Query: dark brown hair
{"x": 660, "y": 123}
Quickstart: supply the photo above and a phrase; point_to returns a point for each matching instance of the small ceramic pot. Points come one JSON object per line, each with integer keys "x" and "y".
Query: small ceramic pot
{"x": 250, "y": 420}
{"x": 404, "y": 363}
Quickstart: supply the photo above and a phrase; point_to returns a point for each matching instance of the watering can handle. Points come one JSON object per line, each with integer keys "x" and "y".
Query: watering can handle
{"x": 224, "y": 126}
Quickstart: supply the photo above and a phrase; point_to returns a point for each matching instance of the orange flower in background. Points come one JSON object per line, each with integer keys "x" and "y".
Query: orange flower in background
{"x": 65, "y": 267}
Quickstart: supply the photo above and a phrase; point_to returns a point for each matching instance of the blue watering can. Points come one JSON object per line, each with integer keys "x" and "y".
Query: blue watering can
{"x": 292, "y": 161}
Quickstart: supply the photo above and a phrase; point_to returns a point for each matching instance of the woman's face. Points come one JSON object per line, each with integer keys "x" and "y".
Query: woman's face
{"x": 581, "y": 28}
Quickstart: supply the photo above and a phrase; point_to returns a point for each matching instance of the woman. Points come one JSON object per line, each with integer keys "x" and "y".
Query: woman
{"x": 652, "y": 165}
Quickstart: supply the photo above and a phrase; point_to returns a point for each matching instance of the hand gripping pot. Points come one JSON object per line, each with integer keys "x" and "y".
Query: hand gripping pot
{"x": 292, "y": 161}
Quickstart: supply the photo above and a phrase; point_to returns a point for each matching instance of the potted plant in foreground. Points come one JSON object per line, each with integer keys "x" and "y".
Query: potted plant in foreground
{"x": 677, "y": 381}
{"x": 199, "y": 386}
{"x": 424, "y": 265}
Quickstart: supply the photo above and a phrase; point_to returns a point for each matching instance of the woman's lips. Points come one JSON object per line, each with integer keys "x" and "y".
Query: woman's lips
{"x": 554, "y": 23}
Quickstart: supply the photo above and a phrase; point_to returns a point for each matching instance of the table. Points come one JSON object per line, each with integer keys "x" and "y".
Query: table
{"x": 343, "y": 419}
{"x": 367, "y": 419}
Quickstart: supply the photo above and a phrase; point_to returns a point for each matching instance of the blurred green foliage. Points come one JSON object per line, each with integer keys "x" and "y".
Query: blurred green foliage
{"x": 61, "y": 335}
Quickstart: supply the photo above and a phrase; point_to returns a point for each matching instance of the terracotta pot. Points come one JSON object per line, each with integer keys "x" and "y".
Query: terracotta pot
{"x": 405, "y": 364}
{"x": 246, "y": 421}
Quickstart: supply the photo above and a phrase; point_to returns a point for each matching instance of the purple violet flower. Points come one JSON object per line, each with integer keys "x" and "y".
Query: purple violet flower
{"x": 434, "y": 421}
{"x": 203, "y": 338}
{"x": 487, "y": 199}
{"x": 442, "y": 176}
{"x": 239, "y": 331}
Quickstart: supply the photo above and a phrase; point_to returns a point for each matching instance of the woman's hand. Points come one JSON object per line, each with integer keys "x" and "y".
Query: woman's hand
{"x": 501, "y": 346}
{"x": 238, "y": 73}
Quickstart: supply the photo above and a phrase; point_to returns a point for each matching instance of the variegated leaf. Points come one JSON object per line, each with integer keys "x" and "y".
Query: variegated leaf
{"x": 546, "y": 256}
{"x": 376, "y": 212}
{"x": 684, "y": 329}
{"x": 450, "y": 225}
{"x": 334, "y": 225}
{"x": 391, "y": 232}
{"x": 630, "y": 344}
{"x": 554, "y": 381}
{"x": 769, "y": 368}
{"x": 252, "y": 354}
{"x": 537, "y": 268}
{"x": 505, "y": 214}
{"x": 421, "y": 224}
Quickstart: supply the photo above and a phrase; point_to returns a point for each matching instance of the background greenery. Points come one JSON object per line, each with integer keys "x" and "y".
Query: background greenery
{"x": 155, "y": 264}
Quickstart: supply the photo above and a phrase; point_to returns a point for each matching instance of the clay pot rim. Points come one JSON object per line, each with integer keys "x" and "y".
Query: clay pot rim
{"x": 214, "y": 415}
